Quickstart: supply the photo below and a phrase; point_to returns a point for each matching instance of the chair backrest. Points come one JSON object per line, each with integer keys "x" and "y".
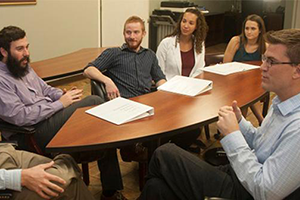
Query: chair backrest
{"x": 213, "y": 58}
{"x": 29, "y": 131}
{"x": 98, "y": 88}
{"x": 5, "y": 126}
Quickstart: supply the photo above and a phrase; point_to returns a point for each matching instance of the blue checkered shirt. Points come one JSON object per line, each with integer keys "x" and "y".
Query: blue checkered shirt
{"x": 266, "y": 160}
{"x": 10, "y": 179}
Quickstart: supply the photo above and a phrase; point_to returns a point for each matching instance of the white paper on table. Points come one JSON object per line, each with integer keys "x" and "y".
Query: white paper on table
{"x": 186, "y": 85}
{"x": 229, "y": 68}
{"x": 121, "y": 110}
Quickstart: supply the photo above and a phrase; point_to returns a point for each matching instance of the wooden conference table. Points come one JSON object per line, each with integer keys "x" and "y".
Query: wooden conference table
{"x": 174, "y": 113}
{"x": 66, "y": 65}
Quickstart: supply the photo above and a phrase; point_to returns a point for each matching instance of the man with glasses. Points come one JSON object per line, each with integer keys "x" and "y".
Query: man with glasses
{"x": 264, "y": 161}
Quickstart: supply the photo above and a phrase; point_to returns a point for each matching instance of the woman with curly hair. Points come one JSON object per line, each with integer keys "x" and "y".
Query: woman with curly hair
{"x": 182, "y": 52}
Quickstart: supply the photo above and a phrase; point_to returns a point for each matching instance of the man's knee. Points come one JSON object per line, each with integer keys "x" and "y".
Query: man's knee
{"x": 167, "y": 151}
{"x": 66, "y": 168}
{"x": 94, "y": 100}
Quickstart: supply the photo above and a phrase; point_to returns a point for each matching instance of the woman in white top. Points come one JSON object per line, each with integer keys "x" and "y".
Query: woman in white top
{"x": 182, "y": 52}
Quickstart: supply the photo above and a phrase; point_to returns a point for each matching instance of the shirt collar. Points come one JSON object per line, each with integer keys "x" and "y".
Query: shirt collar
{"x": 287, "y": 106}
{"x": 3, "y": 67}
{"x": 125, "y": 47}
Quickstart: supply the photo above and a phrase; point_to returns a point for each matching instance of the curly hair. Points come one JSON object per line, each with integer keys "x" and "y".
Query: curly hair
{"x": 200, "y": 32}
{"x": 261, "y": 25}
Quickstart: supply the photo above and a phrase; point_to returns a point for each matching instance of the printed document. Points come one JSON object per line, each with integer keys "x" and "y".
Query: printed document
{"x": 186, "y": 85}
{"x": 229, "y": 68}
{"x": 121, "y": 110}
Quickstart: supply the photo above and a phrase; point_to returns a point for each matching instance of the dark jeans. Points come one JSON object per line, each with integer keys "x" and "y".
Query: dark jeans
{"x": 177, "y": 174}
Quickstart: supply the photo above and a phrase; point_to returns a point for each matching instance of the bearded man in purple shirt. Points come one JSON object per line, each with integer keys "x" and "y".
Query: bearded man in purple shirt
{"x": 25, "y": 99}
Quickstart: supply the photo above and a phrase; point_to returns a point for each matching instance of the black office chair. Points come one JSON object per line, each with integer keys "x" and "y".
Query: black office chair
{"x": 27, "y": 130}
{"x": 213, "y": 58}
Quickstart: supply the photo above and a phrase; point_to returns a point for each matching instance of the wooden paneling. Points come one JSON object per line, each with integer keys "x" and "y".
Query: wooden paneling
{"x": 215, "y": 33}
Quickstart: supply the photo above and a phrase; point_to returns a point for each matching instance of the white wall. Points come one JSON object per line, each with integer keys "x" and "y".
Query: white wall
{"x": 55, "y": 27}
{"x": 115, "y": 13}
{"x": 154, "y": 4}
{"x": 296, "y": 15}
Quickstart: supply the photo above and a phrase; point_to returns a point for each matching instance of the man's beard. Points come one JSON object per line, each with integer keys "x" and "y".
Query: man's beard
{"x": 135, "y": 46}
{"x": 15, "y": 68}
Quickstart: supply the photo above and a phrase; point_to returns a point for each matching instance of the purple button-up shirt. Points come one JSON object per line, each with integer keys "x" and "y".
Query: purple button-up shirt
{"x": 28, "y": 100}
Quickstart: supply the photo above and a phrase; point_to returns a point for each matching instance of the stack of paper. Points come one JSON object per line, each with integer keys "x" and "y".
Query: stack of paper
{"x": 186, "y": 85}
{"x": 120, "y": 110}
{"x": 229, "y": 68}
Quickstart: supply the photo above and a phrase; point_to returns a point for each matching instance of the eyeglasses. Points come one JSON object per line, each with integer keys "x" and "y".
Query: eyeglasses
{"x": 271, "y": 62}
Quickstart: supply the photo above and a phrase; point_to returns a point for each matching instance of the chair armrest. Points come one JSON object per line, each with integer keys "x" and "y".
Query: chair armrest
{"x": 98, "y": 88}
{"x": 213, "y": 58}
{"x": 5, "y": 126}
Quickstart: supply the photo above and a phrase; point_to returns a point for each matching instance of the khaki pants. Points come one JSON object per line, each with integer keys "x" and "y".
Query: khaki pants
{"x": 64, "y": 167}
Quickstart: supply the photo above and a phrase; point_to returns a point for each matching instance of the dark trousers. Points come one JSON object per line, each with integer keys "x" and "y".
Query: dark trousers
{"x": 47, "y": 129}
{"x": 108, "y": 164}
{"x": 183, "y": 140}
{"x": 177, "y": 174}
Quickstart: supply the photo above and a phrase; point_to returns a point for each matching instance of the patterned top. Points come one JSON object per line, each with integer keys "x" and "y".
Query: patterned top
{"x": 131, "y": 71}
{"x": 266, "y": 159}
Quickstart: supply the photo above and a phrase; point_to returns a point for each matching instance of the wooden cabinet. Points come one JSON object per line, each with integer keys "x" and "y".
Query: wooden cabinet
{"x": 274, "y": 21}
{"x": 215, "y": 35}
{"x": 232, "y": 25}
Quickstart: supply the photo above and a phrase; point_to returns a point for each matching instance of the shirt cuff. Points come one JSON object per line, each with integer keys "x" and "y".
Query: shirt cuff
{"x": 59, "y": 93}
{"x": 233, "y": 141}
{"x": 57, "y": 105}
{"x": 243, "y": 124}
{"x": 13, "y": 179}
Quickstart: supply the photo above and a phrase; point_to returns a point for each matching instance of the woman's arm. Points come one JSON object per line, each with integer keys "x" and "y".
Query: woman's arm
{"x": 161, "y": 55}
{"x": 231, "y": 49}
